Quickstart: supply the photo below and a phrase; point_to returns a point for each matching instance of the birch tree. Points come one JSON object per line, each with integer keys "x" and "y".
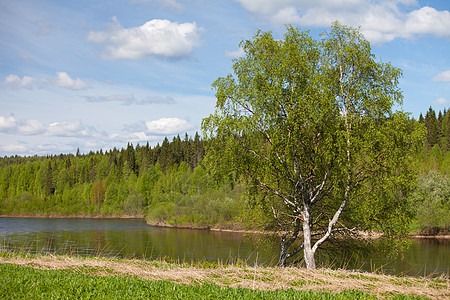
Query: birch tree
{"x": 310, "y": 124}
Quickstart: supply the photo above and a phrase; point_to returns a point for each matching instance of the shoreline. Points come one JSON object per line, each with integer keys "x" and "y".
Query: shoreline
{"x": 423, "y": 237}
{"x": 216, "y": 228}
{"x": 365, "y": 235}
{"x": 44, "y": 216}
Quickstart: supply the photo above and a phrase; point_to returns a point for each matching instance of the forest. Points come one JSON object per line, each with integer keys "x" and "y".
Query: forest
{"x": 173, "y": 184}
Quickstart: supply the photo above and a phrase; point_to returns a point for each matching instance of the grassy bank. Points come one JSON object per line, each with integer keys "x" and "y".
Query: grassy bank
{"x": 35, "y": 276}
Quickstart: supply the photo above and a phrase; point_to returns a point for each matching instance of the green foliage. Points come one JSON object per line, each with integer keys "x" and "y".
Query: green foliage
{"x": 309, "y": 124}
{"x": 111, "y": 183}
{"x": 166, "y": 183}
{"x": 172, "y": 183}
{"x": 431, "y": 200}
{"x": 162, "y": 211}
{"x": 133, "y": 204}
{"x": 200, "y": 206}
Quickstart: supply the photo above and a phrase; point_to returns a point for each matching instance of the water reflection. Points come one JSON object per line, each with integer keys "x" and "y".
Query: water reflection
{"x": 134, "y": 238}
{"x": 129, "y": 238}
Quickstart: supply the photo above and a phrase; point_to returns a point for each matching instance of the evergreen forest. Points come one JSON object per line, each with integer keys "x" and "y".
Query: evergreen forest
{"x": 172, "y": 184}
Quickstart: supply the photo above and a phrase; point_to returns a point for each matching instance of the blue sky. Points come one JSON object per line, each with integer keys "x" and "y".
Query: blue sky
{"x": 99, "y": 74}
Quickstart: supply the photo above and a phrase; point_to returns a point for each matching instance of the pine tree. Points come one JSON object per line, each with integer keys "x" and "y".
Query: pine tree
{"x": 164, "y": 159}
{"x": 421, "y": 119}
{"x": 432, "y": 128}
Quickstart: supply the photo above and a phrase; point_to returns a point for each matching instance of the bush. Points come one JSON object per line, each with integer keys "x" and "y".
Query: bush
{"x": 133, "y": 204}
{"x": 162, "y": 211}
{"x": 431, "y": 201}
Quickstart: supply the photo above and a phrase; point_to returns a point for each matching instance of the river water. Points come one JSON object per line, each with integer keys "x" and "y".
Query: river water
{"x": 135, "y": 239}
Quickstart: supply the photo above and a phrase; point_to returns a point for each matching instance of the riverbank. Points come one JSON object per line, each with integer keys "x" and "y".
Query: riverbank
{"x": 86, "y": 216}
{"x": 418, "y": 236}
{"x": 367, "y": 235}
{"x": 235, "y": 228}
{"x": 322, "y": 281}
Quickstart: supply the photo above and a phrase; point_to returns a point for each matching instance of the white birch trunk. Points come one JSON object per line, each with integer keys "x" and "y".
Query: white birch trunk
{"x": 308, "y": 253}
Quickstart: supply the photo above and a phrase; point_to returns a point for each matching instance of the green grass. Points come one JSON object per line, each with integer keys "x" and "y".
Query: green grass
{"x": 21, "y": 282}
{"x": 26, "y": 276}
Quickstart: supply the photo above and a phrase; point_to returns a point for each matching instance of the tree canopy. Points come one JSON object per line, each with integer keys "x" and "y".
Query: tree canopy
{"x": 310, "y": 124}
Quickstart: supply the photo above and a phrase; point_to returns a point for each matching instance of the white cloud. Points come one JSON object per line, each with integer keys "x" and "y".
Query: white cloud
{"x": 7, "y": 123}
{"x": 151, "y": 130}
{"x": 63, "y": 80}
{"x": 30, "y": 127}
{"x": 235, "y": 54}
{"x": 271, "y": 8}
{"x": 14, "y": 81}
{"x": 139, "y": 137}
{"x": 133, "y": 137}
{"x": 381, "y": 20}
{"x": 441, "y": 101}
{"x": 33, "y": 127}
{"x": 160, "y": 38}
{"x": 428, "y": 20}
{"x": 444, "y": 76}
{"x": 13, "y": 148}
{"x": 67, "y": 129}
{"x": 25, "y": 127}
{"x": 47, "y": 148}
{"x": 168, "y": 126}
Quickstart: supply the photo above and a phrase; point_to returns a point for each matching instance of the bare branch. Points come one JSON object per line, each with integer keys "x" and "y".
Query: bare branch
{"x": 331, "y": 223}
{"x": 319, "y": 188}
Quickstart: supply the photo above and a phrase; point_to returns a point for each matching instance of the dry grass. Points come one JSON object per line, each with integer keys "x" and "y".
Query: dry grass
{"x": 263, "y": 278}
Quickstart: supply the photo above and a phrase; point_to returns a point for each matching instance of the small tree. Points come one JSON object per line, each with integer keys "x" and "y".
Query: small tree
{"x": 431, "y": 200}
{"x": 309, "y": 124}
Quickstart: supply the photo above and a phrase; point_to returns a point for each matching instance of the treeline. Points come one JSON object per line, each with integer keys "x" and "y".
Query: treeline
{"x": 430, "y": 202}
{"x": 169, "y": 183}
{"x": 438, "y": 129}
{"x": 433, "y": 154}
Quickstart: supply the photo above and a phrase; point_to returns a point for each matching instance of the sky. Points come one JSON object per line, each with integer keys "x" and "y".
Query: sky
{"x": 93, "y": 75}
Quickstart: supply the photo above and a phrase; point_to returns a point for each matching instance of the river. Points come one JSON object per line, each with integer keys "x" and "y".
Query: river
{"x": 133, "y": 238}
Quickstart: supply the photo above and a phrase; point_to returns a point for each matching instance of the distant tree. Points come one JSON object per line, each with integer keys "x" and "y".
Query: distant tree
{"x": 310, "y": 125}
{"x": 164, "y": 158}
{"x": 130, "y": 160}
{"x": 445, "y": 129}
{"x": 421, "y": 119}
{"x": 98, "y": 191}
{"x": 432, "y": 126}
{"x": 176, "y": 151}
{"x": 49, "y": 187}
{"x": 148, "y": 181}
{"x": 431, "y": 200}
{"x": 145, "y": 158}
{"x": 198, "y": 151}
{"x": 92, "y": 169}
